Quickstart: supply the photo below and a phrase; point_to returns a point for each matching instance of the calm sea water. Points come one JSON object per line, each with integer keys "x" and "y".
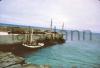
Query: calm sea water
{"x": 72, "y": 54}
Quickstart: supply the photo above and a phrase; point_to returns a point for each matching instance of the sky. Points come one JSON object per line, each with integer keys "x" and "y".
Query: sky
{"x": 75, "y": 14}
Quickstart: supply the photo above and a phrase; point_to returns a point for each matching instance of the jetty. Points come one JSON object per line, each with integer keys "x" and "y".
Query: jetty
{"x": 30, "y": 37}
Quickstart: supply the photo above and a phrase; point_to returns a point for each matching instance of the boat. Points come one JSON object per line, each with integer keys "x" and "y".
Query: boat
{"x": 29, "y": 41}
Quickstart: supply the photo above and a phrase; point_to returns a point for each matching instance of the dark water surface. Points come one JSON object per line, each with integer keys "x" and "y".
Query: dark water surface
{"x": 72, "y": 54}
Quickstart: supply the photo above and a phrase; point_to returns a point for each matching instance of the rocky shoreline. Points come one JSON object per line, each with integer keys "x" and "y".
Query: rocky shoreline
{"x": 9, "y": 60}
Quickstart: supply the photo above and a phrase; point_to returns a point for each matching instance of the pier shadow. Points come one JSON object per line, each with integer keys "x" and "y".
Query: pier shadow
{"x": 17, "y": 49}
{"x": 20, "y": 50}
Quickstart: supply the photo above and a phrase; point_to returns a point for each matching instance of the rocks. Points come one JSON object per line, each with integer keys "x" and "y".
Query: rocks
{"x": 15, "y": 66}
{"x": 35, "y": 66}
{"x": 9, "y": 60}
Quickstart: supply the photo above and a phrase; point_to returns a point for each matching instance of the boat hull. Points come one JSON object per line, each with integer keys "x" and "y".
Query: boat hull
{"x": 34, "y": 46}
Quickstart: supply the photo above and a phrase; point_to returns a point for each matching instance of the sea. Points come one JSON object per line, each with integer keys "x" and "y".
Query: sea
{"x": 71, "y": 54}
{"x": 76, "y": 53}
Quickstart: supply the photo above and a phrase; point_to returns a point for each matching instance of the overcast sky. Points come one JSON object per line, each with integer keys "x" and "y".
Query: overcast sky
{"x": 76, "y": 14}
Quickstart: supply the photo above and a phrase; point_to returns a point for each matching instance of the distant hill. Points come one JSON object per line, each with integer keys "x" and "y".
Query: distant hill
{"x": 5, "y": 24}
{"x": 14, "y": 25}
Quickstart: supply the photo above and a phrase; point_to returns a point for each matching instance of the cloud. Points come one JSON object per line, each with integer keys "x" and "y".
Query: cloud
{"x": 76, "y": 14}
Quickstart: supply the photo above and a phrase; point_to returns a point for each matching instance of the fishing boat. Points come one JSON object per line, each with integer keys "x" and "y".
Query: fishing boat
{"x": 30, "y": 42}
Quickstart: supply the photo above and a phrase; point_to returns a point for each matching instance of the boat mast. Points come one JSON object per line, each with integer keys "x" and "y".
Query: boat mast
{"x": 63, "y": 26}
{"x": 30, "y": 35}
{"x": 62, "y": 29}
{"x": 51, "y": 25}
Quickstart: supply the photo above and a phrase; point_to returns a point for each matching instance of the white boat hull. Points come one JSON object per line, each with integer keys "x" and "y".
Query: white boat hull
{"x": 34, "y": 46}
